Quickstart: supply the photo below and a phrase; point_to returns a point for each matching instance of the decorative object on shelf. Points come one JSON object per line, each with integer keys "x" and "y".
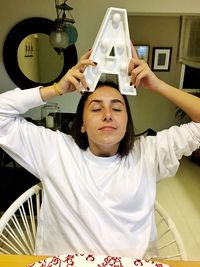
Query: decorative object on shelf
{"x": 28, "y": 50}
{"x": 142, "y": 52}
{"x": 64, "y": 33}
{"x": 51, "y": 116}
{"x": 161, "y": 58}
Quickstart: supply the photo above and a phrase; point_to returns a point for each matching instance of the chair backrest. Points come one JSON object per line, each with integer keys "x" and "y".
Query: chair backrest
{"x": 18, "y": 225}
{"x": 169, "y": 241}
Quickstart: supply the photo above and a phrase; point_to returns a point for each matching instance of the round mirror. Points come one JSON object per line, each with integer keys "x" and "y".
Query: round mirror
{"x": 29, "y": 58}
{"x": 34, "y": 54}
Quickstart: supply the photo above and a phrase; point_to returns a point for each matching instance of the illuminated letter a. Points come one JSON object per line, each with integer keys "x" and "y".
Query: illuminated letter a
{"x": 112, "y": 51}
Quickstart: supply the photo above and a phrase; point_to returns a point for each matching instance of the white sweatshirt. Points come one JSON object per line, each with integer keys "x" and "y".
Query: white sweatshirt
{"x": 92, "y": 204}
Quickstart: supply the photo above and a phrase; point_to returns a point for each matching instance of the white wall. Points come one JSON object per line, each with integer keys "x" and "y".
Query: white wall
{"x": 91, "y": 12}
{"x": 88, "y": 15}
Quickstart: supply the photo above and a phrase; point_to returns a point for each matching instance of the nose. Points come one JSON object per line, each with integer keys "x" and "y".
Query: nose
{"x": 107, "y": 116}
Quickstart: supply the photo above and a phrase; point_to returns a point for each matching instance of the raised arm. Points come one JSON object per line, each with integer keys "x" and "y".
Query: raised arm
{"x": 142, "y": 75}
{"x": 70, "y": 81}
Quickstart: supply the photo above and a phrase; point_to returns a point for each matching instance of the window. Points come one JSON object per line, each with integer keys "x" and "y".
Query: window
{"x": 189, "y": 52}
{"x": 190, "y": 78}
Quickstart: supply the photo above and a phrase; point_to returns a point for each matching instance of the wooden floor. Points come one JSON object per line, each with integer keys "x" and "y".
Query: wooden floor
{"x": 180, "y": 196}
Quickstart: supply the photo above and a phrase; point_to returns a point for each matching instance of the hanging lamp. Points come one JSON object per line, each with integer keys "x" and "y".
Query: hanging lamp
{"x": 64, "y": 32}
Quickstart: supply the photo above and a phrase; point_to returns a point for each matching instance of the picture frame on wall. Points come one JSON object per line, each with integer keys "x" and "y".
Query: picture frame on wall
{"x": 161, "y": 58}
{"x": 142, "y": 52}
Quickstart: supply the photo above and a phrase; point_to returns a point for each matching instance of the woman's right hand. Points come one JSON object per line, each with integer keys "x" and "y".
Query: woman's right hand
{"x": 74, "y": 77}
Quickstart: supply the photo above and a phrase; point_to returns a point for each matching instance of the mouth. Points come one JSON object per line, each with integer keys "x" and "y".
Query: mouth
{"x": 107, "y": 128}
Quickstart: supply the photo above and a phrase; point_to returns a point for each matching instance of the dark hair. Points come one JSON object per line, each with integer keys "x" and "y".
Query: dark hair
{"x": 81, "y": 139}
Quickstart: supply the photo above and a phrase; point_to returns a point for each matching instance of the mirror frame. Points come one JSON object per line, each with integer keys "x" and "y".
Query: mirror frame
{"x": 11, "y": 44}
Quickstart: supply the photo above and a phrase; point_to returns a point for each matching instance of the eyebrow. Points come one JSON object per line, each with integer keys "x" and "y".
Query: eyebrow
{"x": 113, "y": 101}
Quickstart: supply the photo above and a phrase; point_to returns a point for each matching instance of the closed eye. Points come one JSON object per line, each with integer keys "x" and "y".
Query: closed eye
{"x": 117, "y": 109}
{"x": 96, "y": 109}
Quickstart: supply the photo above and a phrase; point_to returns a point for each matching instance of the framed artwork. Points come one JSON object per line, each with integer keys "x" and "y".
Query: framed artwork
{"x": 142, "y": 52}
{"x": 161, "y": 58}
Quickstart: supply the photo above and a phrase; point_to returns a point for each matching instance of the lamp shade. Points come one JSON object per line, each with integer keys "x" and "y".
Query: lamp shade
{"x": 59, "y": 39}
{"x": 64, "y": 33}
{"x": 71, "y": 32}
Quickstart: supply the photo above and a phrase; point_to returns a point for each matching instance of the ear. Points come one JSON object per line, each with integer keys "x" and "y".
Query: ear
{"x": 82, "y": 129}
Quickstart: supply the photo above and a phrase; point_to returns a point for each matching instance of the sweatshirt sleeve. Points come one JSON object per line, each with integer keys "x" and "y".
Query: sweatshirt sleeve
{"x": 163, "y": 151}
{"x": 22, "y": 140}
{"x": 17, "y": 101}
{"x": 174, "y": 143}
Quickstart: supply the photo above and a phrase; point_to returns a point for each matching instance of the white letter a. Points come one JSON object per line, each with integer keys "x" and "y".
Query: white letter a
{"x": 112, "y": 51}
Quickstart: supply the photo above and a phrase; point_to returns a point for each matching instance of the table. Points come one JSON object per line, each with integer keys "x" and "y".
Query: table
{"x": 24, "y": 260}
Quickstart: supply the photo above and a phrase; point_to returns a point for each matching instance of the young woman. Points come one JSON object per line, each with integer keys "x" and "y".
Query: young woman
{"x": 99, "y": 183}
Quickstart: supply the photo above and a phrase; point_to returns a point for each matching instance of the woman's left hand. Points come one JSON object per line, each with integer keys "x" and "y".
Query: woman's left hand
{"x": 141, "y": 74}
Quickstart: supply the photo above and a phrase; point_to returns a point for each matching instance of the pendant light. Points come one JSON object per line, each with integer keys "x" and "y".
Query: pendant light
{"x": 64, "y": 32}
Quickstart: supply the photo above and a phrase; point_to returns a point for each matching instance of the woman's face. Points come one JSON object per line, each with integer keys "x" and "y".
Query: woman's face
{"x": 104, "y": 120}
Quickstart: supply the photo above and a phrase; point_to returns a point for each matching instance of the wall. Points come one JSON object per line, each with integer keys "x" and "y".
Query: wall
{"x": 50, "y": 63}
{"x": 155, "y": 31}
{"x": 93, "y": 10}
{"x": 87, "y": 13}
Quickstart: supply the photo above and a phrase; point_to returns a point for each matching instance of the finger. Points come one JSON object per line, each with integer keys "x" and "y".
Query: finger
{"x": 134, "y": 57}
{"x": 134, "y": 62}
{"x": 75, "y": 84}
{"x": 86, "y": 55}
{"x": 139, "y": 77}
{"x": 82, "y": 64}
{"x": 138, "y": 72}
{"x": 133, "y": 51}
{"x": 83, "y": 82}
{"x": 80, "y": 78}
